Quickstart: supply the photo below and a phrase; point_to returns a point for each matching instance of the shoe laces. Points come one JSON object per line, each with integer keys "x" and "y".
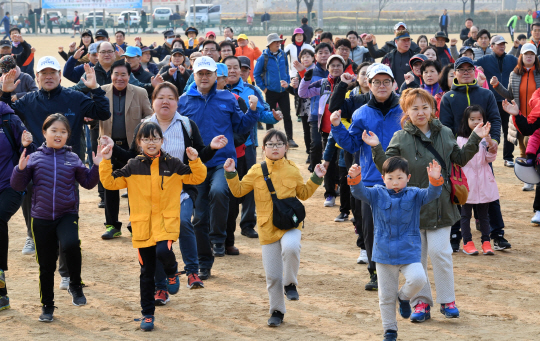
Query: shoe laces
{"x": 451, "y": 305}
{"x": 29, "y": 242}
{"x": 110, "y": 228}
{"x": 173, "y": 280}
{"x": 193, "y": 278}
{"x": 161, "y": 294}
{"x": 148, "y": 319}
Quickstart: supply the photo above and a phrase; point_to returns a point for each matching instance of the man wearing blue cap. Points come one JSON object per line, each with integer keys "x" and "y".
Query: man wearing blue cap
{"x": 133, "y": 58}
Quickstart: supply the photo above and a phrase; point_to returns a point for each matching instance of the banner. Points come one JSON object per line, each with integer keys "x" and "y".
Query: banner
{"x": 90, "y": 4}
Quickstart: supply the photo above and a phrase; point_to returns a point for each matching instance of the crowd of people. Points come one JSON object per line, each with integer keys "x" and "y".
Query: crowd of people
{"x": 177, "y": 125}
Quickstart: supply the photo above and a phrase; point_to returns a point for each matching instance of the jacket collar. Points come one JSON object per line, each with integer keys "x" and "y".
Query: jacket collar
{"x": 48, "y": 151}
{"x": 435, "y": 126}
{"x": 192, "y": 91}
{"x": 238, "y": 86}
{"x": 274, "y": 164}
{"x": 392, "y": 101}
{"x": 463, "y": 87}
{"x": 54, "y": 92}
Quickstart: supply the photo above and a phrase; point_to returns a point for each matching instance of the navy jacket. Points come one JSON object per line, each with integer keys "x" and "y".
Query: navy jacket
{"x": 491, "y": 66}
{"x": 72, "y": 71}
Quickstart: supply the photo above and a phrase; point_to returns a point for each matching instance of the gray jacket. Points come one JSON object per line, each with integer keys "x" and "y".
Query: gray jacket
{"x": 479, "y": 53}
{"x": 26, "y": 85}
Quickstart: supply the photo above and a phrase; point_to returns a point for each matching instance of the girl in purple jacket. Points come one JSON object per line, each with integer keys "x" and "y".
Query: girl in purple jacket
{"x": 55, "y": 171}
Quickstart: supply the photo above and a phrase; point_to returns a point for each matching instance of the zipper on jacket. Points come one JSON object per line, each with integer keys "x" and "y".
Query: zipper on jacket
{"x": 527, "y": 92}
{"x": 54, "y": 184}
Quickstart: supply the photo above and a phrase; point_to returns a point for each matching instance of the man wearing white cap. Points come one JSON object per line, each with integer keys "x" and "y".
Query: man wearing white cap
{"x": 218, "y": 112}
{"x": 380, "y": 115}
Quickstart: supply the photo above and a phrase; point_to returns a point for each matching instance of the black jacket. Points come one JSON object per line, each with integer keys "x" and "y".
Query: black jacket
{"x": 142, "y": 75}
{"x": 347, "y": 106}
{"x": 308, "y": 31}
{"x": 104, "y": 77}
{"x": 181, "y": 78}
{"x": 388, "y": 47}
{"x": 464, "y": 35}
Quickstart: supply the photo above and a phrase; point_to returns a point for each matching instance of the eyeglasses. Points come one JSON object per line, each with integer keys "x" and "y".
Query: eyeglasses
{"x": 106, "y": 52}
{"x": 464, "y": 71}
{"x": 344, "y": 49}
{"x": 209, "y": 51}
{"x": 204, "y": 75}
{"x": 153, "y": 140}
{"x": 275, "y": 145}
{"x": 377, "y": 83}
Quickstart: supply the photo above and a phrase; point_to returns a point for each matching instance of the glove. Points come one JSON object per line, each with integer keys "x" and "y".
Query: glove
{"x": 308, "y": 75}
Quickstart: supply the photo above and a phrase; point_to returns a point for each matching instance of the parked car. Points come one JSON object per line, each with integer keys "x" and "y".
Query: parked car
{"x": 89, "y": 19}
{"x": 209, "y": 15}
{"x": 134, "y": 17}
{"x": 161, "y": 16}
{"x": 52, "y": 14}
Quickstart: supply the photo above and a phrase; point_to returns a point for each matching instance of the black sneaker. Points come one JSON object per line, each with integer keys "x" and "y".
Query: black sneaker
{"x": 218, "y": 250}
{"x": 250, "y": 233}
{"x": 454, "y": 242}
{"x": 291, "y": 292}
{"x": 47, "y": 312}
{"x": 78, "y": 295}
{"x": 276, "y": 319}
{"x": 342, "y": 217}
{"x": 499, "y": 244}
{"x": 373, "y": 284}
{"x": 4, "y": 302}
{"x": 101, "y": 204}
{"x": 204, "y": 274}
{"x": 390, "y": 335}
{"x": 292, "y": 144}
{"x": 111, "y": 233}
{"x": 308, "y": 161}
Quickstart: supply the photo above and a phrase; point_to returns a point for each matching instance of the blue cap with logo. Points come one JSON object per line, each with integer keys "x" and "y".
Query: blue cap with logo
{"x": 222, "y": 70}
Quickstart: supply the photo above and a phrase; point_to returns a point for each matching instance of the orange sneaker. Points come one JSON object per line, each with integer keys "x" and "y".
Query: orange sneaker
{"x": 486, "y": 248}
{"x": 470, "y": 249}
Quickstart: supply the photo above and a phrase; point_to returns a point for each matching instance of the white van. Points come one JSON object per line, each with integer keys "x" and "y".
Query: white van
{"x": 209, "y": 15}
{"x": 161, "y": 16}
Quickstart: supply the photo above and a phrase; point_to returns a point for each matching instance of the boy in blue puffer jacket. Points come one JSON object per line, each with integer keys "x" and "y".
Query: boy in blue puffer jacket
{"x": 397, "y": 244}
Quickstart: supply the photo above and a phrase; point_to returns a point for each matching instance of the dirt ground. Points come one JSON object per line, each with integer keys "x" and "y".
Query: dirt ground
{"x": 497, "y": 296}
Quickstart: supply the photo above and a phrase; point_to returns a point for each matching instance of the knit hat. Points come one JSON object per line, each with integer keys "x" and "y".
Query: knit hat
{"x": 7, "y": 63}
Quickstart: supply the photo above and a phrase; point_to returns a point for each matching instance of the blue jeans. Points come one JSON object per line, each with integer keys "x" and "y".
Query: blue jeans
{"x": 211, "y": 212}
{"x": 249, "y": 220}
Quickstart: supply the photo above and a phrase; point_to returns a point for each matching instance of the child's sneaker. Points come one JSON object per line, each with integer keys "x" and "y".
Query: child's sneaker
{"x": 47, "y": 312}
{"x": 4, "y": 303}
{"x": 470, "y": 249}
{"x": 390, "y": 335}
{"x": 194, "y": 282}
{"x": 454, "y": 242}
{"x": 373, "y": 284}
{"x": 404, "y": 308}
{"x": 78, "y": 295}
{"x": 362, "y": 259}
{"x": 422, "y": 312}
{"x": 173, "y": 284}
{"x": 161, "y": 297}
{"x": 147, "y": 323}
{"x": 450, "y": 310}
{"x": 276, "y": 319}
{"x": 486, "y": 248}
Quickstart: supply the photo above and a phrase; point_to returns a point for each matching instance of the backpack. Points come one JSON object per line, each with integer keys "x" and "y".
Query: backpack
{"x": 263, "y": 72}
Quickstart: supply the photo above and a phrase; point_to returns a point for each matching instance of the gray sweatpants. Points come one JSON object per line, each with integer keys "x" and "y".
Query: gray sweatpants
{"x": 436, "y": 244}
{"x": 388, "y": 277}
{"x": 281, "y": 261}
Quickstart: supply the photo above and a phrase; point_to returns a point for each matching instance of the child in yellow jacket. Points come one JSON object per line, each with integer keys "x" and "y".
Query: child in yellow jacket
{"x": 154, "y": 180}
{"x": 280, "y": 248}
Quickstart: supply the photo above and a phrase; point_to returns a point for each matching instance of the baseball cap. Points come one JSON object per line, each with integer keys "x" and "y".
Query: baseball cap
{"x": 102, "y": 33}
{"x": 272, "y": 37}
{"x": 192, "y": 29}
{"x": 496, "y": 40}
{"x": 204, "y": 63}
{"x": 133, "y": 51}
{"x": 535, "y": 23}
{"x": 222, "y": 70}
{"x": 144, "y": 49}
{"x": 242, "y": 36}
{"x": 528, "y": 48}
{"x": 7, "y": 63}
{"x": 396, "y": 26}
{"x": 93, "y": 47}
{"x": 86, "y": 33}
{"x": 461, "y": 61}
{"x": 48, "y": 62}
{"x": 441, "y": 34}
{"x": 417, "y": 58}
{"x": 403, "y": 35}
{"x": 177, "y": 50}
{"x": 210, "y": 33}
{"x": 335, "y": 56}
{"x": 245, "y": 62}
{"x": 464, "y": 49}
{"x": 5, "y": 42}
{"x": 378, "y": 68}
{"x": 168, "y": 33}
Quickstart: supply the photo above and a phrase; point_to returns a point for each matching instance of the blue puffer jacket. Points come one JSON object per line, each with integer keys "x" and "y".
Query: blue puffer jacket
{"x": 55, "y": 173}
{"x": 318, "y": 73}
{"x": 217, "y": 114}
{"x": 396, "y": 221}
{"x": 277, "y": 70}
{"x": 490, "y": 63}
{"x": 369, "y": 118}
{"x": 244, "y": 90}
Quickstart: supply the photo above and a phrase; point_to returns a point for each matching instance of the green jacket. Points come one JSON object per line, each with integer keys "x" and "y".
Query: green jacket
{"x": 441, "y": 212}
{"x": 528, "y": 19}
{"x": 513, "y": 21}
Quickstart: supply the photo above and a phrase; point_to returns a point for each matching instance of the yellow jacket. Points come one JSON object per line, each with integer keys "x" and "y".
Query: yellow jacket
{"x": 154, "y": 190}
{"x": 287, "y": 181}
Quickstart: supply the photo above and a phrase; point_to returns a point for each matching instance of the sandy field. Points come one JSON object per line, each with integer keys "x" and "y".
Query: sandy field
{"x": 497, "y": 296}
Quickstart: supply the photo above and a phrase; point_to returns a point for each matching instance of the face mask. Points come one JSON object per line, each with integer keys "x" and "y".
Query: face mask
{"x": 170, "y": 40}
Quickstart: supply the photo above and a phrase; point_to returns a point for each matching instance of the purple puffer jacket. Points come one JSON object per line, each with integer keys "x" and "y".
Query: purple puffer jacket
{"x": 55, "y": 173}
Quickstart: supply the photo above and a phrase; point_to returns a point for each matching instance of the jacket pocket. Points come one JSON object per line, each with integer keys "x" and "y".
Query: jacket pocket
{"x": 171, "y": 221}
{"x": 289, "y": 187}
{"x": 140, "y": 226}
{"x": 261, "y": 192}
{"x": 406, "y": 211}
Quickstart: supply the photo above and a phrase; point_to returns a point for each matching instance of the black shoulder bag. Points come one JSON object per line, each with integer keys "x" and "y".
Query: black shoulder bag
{"x": 289, "y": 212}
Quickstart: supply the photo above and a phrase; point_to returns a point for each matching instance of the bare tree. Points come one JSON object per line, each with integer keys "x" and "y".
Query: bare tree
{"x": 536, "y": 2}
{"x": 472, "y": 8}
{"x": 464, "y": 4}
{"x": 309, "y": 5}
{"x": 298, "y": 2}
{"x": 382, "y": 5}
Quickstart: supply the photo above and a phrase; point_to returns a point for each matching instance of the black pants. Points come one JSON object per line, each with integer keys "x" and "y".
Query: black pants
{"x": 281, "y": 98}
{"x": 536, "y": 203}
{"x": 234, "y": 204}
{"x": 344, "y": 191}
{"x": 332, "y": 173}
{"x": 316, "y": 148}
{"x": 356, "y": 207}
{"x": 112, "y": 198}
{"x": 508, "y": 147}
{"x": 147, "y": 259}
{"x": 483, "y": 217}
{"x": 307, "y": 132}
{"x": 94, "y": 136}
{"x": 10, "y": 201}
{"x": 367, "y": 230}
{"x": 47, "y": 235}
{"x": 444, "y": 29}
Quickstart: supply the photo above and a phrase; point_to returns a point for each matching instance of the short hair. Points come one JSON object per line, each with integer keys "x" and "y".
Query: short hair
{"x": 14, "y": 29}
{"x": 443, "y": 78}
{"x": 148, "y": 129}
{"x": 327, "y": 35}
{"x": 56, "y": 117}
{"x": 469, "y": 19}
{"x": 352, "y": 32}
{"x": 395, "y": 163}
{"x": 407, "y": 99}
{"x": 103, "y": 43}
{"x": 232, "y": 57}
{"x": 280, "y": 136}
{"x": 402, "y": 32}
{"x": 121, "y": 63}
{"x": 318, "y": 29}
{"x": 121, "y": 32}
{"x": 230, "y": 28}
{"x": 323, "y": 46}
{"x": 519, "y": 37}
{"x": 178, "y": 40}
{"x": 428, "y": 63}
{"x": 306, "y": 51}
{"x": 304, "y": 20}
{"x": 228, "y": 43}
{"x": 482, "y": 32}
{"x": 206, "y": 42}
{"x": 344, "y": 42}
{"x": 165, "y": 85}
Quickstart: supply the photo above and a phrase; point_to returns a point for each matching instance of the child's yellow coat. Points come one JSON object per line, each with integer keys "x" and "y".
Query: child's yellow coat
{"x": 287, "y": 181}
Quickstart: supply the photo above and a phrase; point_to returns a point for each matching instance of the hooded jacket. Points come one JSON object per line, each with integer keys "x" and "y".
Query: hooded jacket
{"x": 218, "y": 112}
{"x": 492, "y": 67}
{"x": 252, "y": 54}
{"x": 277, "y": 70}
{"x": 369, "y": 118}
{"x": 455, "y": 101}
{"x": 444, "y": 56}
{"x": 409, "y": 144}
{"x": 55, "y": 174}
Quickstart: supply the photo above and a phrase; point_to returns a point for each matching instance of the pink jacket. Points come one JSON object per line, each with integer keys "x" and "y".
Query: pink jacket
{"x": 534, "y": 143}
{"x": 482, "y": 185}
{"x": 476, "y": 73}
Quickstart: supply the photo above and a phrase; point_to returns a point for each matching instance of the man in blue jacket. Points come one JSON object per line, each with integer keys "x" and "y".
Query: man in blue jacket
{"x": 5, "y": 22}
{"x": 218, "y": 112}
{"x": 271, "y": 68}
{"x": 381, "y": 115}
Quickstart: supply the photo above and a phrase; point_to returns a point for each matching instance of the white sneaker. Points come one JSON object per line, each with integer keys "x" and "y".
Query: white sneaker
{"x": 362, "y": 259}
{"x": 536, "y": 218}
{"x": 330, "y": 201}
{"x": 527, "y": 187}
{"x": 64, "y": 283}
{"x": 29, "y": 248}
